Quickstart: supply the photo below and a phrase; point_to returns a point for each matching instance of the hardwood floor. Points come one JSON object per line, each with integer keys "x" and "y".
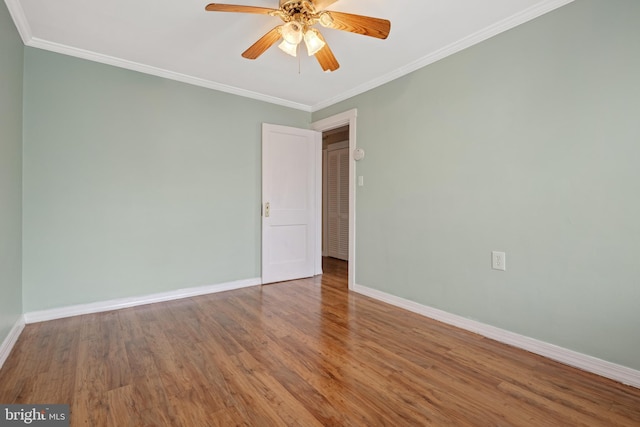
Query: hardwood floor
{"x": 301, "y": 353}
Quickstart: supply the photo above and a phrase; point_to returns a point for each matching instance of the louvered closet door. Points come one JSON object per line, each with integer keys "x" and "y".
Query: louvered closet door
{"x": 338, "y": 204}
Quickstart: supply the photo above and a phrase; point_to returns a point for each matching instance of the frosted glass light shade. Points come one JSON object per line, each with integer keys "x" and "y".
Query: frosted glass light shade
{"x": 292, "y": 32}
{"x": 289, "y": 48}
{"x": 313, "y": 41}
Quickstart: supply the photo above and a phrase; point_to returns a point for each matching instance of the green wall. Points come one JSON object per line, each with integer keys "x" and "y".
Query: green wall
{"x": 135, "y": 184}
{"x": 528, "y": 143}
{"x": 11, "y": 64}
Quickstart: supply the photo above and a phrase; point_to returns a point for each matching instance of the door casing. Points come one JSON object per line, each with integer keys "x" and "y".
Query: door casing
{"x": 333, "y": 122}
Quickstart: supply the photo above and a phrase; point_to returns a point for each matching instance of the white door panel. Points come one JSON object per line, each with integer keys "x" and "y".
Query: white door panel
{"x": 290, "y": 242}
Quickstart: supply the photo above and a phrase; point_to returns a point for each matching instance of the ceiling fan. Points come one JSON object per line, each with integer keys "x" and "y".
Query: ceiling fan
{"x": 299, "y": 16}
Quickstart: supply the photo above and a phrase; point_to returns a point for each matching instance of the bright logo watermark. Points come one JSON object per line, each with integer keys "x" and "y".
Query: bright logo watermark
{"x": 36, "y": 415}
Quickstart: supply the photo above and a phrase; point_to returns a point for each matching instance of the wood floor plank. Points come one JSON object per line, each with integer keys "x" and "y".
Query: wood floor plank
{"x": 122, "y": 406}
{"x": 300, "y": 353}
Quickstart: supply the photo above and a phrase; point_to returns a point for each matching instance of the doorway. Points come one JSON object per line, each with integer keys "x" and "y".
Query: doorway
{"x": 342, "y": 126}
{"x": 335, "y": 201}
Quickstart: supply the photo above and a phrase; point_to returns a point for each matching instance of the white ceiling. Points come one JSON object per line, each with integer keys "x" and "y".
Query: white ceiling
{"x": 179, "y": 40}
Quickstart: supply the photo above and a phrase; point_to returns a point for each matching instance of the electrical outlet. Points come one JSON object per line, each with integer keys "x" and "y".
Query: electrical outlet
{"x": 498, "y": 261}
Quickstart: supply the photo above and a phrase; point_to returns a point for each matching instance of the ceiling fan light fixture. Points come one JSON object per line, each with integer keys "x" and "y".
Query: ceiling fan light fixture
{"x": 298, "y": 17}
{"x": 292, "y": 32}
{"x": 313, "y": 41}
{"x": 289, "y": 48}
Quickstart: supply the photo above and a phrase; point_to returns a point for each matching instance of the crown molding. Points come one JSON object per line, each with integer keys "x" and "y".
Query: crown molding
{"x": 475, "y": 38}
{"x": 19, "y": 17}
{"x": 160, "y": 72}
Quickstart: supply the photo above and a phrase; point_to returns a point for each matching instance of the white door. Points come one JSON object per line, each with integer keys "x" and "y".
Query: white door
{"x": 291, "y": 202}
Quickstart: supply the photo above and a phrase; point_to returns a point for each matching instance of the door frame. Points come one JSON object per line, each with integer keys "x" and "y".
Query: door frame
{"x": 333, "y": 122}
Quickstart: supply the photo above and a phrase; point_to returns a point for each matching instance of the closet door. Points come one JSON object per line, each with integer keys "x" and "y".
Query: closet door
{"x": 338, "y": 203}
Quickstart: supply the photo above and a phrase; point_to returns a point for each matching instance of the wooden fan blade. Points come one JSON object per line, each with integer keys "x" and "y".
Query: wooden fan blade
{"x": 326, "y": 58}
{"x": 365, "y": 25}
{"x": 217, "y": 7}
{"x": 322, "y": 4}
{"x": 264, "y": 43}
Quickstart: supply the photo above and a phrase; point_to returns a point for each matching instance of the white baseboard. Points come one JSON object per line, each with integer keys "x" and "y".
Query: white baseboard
{"x": 7, "y": 345}
{"x": 587, "y": 363}
{"x": 117, "y": 304}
